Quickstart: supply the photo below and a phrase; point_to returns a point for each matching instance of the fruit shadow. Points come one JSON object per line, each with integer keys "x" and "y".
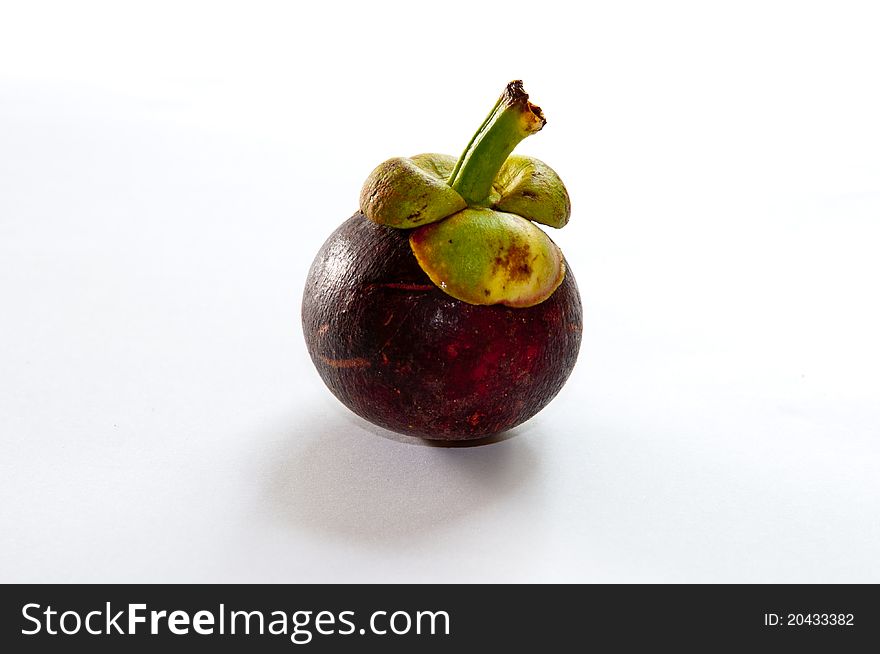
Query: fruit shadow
{"x": 344, "y": 478}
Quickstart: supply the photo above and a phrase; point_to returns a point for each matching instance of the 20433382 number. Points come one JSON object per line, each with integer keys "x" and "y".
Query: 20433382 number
{"x": 820, "y": 619}
{"x": 809, "y": 619}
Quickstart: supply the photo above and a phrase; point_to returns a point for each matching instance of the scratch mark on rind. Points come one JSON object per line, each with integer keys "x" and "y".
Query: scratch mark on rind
{"x": 401, "y": 286}
{"x": 346, "y": 363}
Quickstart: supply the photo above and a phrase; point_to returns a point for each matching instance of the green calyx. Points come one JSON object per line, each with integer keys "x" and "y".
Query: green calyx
{"x": 472, "y": 217}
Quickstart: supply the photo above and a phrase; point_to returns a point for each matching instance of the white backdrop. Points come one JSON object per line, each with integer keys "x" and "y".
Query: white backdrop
{"x": 168, "y": 171}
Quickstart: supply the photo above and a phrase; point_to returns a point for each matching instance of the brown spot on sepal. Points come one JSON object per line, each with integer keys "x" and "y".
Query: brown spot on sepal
{"x": 515, "y": 261}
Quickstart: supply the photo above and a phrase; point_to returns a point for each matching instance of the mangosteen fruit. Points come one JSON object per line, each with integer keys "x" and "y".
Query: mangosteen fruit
{"x": 440, "y": 309}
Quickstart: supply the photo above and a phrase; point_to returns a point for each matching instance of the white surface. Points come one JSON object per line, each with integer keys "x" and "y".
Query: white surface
{"x": 167, "y": 174}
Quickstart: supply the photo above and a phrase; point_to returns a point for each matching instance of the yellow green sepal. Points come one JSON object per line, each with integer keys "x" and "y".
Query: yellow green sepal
{"x": 408, "y": 192}
{"x": 530, "y": 188}
{"x": 483, "y": 256}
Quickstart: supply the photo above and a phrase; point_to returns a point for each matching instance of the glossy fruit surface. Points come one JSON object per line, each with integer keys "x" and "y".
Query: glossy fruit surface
{"x": 404, "y": 355}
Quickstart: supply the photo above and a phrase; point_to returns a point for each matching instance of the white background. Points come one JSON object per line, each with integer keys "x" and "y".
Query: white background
{"x": 168, "y": 171}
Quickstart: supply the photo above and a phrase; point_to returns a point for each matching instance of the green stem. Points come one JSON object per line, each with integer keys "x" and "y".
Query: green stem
{"x": 511, "y": 120}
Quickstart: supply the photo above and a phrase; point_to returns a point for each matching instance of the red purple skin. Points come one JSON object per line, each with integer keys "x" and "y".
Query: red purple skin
{"x": 406, "y": 356}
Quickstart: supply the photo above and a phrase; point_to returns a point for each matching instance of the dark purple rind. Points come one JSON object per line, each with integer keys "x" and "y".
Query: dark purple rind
{"x": 406, "y": 356}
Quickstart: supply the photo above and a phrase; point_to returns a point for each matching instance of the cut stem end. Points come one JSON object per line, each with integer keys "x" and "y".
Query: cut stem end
{"x": 512, "y": 119}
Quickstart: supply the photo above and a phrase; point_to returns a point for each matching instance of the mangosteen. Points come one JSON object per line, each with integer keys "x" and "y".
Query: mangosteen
{"x": 440, "y": 309}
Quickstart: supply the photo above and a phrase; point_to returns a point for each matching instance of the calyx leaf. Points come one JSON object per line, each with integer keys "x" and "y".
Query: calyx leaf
{"x": 406, "y": 193}
{"x": 530, "y": 188}
{"x": 483, "y": 256}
